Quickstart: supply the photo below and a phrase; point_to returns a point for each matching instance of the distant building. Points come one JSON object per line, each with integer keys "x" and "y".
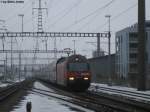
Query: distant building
{"x": 99, "y": 68}
{"x": 126, "y": 54}
{"x": 98, "y": 54}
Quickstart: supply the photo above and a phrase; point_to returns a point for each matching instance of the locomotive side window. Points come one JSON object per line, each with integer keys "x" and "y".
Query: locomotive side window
{"x": 78, "y": 67}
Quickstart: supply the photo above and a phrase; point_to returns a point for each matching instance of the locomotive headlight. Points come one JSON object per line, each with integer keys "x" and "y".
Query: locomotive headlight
{"x": 86, "y": 78}
{"x": 71, "y": 78}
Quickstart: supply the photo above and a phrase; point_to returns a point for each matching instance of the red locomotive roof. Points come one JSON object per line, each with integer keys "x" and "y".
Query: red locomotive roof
{"x": 72, "y": 58}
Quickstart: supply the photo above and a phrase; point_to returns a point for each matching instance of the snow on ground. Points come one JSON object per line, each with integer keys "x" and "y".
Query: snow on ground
{"x": 9, "y": 82}
{"x": 17, "y": 80}
{"x": 3, "y": 84}
{"x": 95, "y": 87}
{"x": 41, "y": 103}
{"x": 120, "y": 88}
{"x": 38, "y": 85}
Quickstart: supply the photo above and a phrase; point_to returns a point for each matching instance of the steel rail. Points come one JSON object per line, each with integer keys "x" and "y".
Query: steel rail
{"x": 11, "y": 89}
{"x": 92, "y": 101}
{"x": 5, "y": 92}
{"x": 86, "y": 103}
{"x": 119, "y": 104}
{"x": 126, "y": 92}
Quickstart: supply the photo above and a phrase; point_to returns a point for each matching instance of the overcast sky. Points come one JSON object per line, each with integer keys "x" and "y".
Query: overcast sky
{"x": 72, "y": 15}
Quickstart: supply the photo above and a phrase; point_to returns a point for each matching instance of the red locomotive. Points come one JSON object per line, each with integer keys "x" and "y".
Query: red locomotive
{"x": 73, "y": 72}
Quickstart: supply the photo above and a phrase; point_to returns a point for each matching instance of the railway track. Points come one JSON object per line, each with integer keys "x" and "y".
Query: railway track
{"x": 129, "y": 100}
{"x": 5, "y": 92}
{"x": 77, "y": 100}
{"x": 107, "y": 103}
{"x": 11, "y": 89}
{"x": 127, "y": 93}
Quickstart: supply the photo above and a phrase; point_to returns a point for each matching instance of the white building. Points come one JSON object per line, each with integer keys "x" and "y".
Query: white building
{"x": 126, "y": 53}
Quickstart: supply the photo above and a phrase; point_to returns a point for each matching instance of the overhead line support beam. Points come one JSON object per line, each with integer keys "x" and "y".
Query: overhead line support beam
{"x": 34, "y": 51}
{"x": 51, "y": 34}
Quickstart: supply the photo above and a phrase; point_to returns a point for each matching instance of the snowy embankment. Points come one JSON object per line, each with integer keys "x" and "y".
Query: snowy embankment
{"x": 126, "y": 92}
{"x": 3, "y": 84}
{"x": 9, "y": 82}
{"x": 47, "y": 103}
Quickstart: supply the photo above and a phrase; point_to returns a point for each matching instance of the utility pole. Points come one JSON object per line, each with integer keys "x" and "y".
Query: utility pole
{"x": 3, "y": 43}
{"x": 109, "y": 52}
{"x": 3, "y": 29}
{"x": 74, "y": 44}
{"x": 25, "y": 72}
{"x": 22, "y": 15}
{"x": 98, "y": 45}
{"x": 55, "y": 48}
{"x": 6, "y": 67}
{"x": 46, "y": 39}
{"x": 2, "y": 23}
{"x": 11, "y": 56}
{"x": 19, "y": 66}
{"x": 4, "y": 70}
{"x": 141, "y": 46}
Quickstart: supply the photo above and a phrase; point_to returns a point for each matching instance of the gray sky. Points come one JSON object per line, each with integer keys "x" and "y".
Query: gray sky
{"x": 72, "y": 15}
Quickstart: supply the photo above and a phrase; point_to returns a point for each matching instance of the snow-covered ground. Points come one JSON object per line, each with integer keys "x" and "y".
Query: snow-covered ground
{"x": 45, "y": 104}
{"x": 119, "y": 88}
{"x": 9, "y": 82}
{"x": 38, "y": 85}
{"x": 96, "y": 87}
{"x": 17, "y": 80}
{"x": 41, "y": 103}
{"x": 3, "y": 84}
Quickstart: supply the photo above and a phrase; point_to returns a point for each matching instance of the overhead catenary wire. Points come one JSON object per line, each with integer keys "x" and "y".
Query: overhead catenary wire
{"x": 77, "y": 20}
{"x": 25, "y": 7}
{"x": 90, "y": 14}
{"x": 66, "y": 13}
{"x": 92, "y": 19}
{"x": 15, "y": 13}
{"x": 116, "y": 17}
{"x": 53, "y": 3}
{"x": 58, "y": 14}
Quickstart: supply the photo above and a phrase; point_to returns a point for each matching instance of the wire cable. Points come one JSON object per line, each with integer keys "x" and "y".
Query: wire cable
{"x": 66, "y": 13}
{"x": 91, "y": 20}
{"x": 14, "y": 14}
{"x": 117, "y": 16}
{"x": 92, "y": 13}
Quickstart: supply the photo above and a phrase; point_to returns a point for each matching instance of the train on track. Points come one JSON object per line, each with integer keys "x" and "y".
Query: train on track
{"x": 72, "y": 72}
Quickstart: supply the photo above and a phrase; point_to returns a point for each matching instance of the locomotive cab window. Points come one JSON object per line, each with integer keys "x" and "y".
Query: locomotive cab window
{"x": 78, "y": 67}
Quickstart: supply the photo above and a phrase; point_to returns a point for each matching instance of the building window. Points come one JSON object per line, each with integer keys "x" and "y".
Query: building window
{"x": 133, "y": 55}
{"x": 133, "y": 45}
{"x": 133, "y": 68}
{"x": 147, "y": 24}
{"x": 133, "y": 35}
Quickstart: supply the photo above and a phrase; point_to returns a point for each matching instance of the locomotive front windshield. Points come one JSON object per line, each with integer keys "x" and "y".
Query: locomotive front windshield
{"x": 78, "y": 67}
